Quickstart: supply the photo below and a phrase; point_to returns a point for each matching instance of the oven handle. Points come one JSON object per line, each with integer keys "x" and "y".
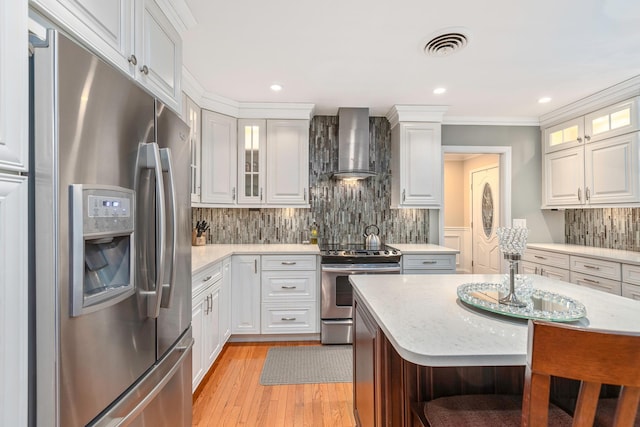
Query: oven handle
{"x": 364, "y": 269}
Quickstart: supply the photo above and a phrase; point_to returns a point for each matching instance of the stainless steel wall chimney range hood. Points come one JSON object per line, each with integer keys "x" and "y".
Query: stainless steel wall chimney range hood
{"x": 353, "y": 144}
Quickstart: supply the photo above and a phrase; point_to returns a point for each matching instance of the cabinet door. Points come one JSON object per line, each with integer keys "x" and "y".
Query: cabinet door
{"x": 365, "y": 402}
{"x": 599, "y": 283}
{"x": 611, "y": 170}
{"x": 212, "y": 328}
{"x": 225, "y": 301}
{"x": 245, "y": 294}
{"x": 14, "y": 304}
{"x": 105, "y": 26}
{"x": 564, "y": 177}
{"x": 420, "y": 165}
{"x": 613, "y": 120}
{"x": 287, "y": 162}
{"x": 251, "y": 161}
{"x": 528, "y": 268}
{"x": 555, "y": 273}
{"x": 219, "y": 148}
{"x": 564, "y": 135}
{"x": 159, "y": 50}
{"x": 14, "y": 90}
{"x": 198, "y": 315}
{"x": 191, "y": 115}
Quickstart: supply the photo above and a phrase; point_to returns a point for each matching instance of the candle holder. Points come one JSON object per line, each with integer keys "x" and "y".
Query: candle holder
{"x": 512, "y": 242}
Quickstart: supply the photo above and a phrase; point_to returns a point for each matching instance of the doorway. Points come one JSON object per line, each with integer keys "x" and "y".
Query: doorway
{"x": 490, "y": 166}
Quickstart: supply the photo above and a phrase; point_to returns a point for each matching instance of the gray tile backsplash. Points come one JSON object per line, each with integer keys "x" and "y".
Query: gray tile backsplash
{"x": 341, "y": 209}
{"x": 613, "y": 228}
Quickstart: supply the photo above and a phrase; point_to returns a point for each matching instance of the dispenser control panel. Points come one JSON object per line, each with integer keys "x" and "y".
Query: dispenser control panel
{"x": 108, "y": 207}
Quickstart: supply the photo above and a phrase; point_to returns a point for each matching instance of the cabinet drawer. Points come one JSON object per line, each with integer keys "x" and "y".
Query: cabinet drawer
{"x": 288, "y": 262}
{"x": 631, "y": 291}
{"x": 288, "y": 285}
{"x": 599, "y": 283}
{"x": 425, "y": 271}
{"x": 428, "y": 262}
{"x": 206, "y": 277}
{"x": 596, "y": 267}
{"x": 289, "y": 318}
{"x": 631, "y": 274}
{"x": 544, "y": 270}
{"x": 547, "y": 258}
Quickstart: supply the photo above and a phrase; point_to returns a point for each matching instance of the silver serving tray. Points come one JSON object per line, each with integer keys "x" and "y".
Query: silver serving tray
{"x": 541, "y": 305}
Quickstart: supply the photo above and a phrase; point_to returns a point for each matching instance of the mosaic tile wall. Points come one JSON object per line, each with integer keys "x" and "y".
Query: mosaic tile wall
{"x": 341, "y": 209}
{"x": 614, "y": 228}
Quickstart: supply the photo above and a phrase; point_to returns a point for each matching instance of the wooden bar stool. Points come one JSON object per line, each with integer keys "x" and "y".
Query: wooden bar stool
{"x": 591, "y": 356}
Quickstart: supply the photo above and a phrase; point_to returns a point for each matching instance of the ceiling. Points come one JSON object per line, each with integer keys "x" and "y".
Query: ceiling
{"x": 369, "y": 53}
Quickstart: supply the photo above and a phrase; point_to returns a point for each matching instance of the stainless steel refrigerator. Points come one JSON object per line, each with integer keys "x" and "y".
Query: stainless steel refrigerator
{"x": 112, "y": 253}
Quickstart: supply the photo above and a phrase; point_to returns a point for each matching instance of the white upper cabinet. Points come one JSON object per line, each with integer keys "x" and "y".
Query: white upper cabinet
{"x": 287, "y": 162}
{"x": 191, "y": 115}
{"x": 135, "y": 36}
{"x": 218, "y": 160}
{"x": 593, "y": 160}
{"x": 159, "y": 48}
{"x": 614, "y": 120}
{"x": 564, "y": 135}
{"x": 252, "y": 138}
{"x": 416, "y": 165}
{"x": 14, "y": 90}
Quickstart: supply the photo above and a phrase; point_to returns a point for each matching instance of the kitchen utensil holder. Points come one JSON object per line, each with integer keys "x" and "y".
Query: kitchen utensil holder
{"x": 198, "y": 240}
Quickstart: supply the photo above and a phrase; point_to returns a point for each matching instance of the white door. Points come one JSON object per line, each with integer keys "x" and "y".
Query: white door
{"x": 485, "y": 195}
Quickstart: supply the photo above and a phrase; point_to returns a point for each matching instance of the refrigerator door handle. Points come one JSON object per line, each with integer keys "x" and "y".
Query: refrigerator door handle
{"x": 168, "y": 288}
{"x": 149, "y": 158}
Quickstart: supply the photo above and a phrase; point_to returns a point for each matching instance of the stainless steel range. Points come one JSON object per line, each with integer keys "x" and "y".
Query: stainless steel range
{"x": 339, "y": 261}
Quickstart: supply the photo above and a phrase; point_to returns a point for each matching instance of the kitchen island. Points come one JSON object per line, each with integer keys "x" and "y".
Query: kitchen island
{"x": 415, "y": 341}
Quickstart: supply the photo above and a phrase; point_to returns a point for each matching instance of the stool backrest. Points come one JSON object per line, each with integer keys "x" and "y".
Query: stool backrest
{"x": 594, "y": 357}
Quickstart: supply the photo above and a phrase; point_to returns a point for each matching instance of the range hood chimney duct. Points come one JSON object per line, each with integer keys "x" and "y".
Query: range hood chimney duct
{"x": 353, "y": 144}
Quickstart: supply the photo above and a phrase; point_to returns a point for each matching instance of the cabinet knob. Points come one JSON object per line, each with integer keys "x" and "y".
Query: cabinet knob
{"x": 233, "y": 193}
{"x": 404, "y": 195}
{"x": 145, "y": 70}
{"x": 132, "y": 60}
{"x": 587, "y": 138}
{"x": 579, "y": 139}
{"x": 580, "y": 194}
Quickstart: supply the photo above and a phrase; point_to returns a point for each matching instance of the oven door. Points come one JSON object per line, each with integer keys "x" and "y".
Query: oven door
{"x": 337, "y": 294}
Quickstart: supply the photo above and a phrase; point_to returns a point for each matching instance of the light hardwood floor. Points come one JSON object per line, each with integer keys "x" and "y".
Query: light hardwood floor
{"x": 232, "y": 395}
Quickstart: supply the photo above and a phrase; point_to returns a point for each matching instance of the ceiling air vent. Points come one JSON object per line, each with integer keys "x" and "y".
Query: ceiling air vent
{"x": 445, "y": 43}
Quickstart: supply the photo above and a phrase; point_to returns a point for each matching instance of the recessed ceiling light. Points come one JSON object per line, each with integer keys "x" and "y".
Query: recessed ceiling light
{"x": 276, "y": 87}
{"x": 439, "y": 90}
{"x": 544, "y": 100}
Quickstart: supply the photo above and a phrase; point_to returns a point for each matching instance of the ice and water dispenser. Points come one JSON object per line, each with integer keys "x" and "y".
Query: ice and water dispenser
{"x": 102, "y": 224}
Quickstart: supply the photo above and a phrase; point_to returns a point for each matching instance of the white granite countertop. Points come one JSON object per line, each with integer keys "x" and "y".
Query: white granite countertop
{"x": 202, "y": 256}
{"x": 425, "y": 248}
{"x": 427, "y": 324}
{"x": 589, "y": 251}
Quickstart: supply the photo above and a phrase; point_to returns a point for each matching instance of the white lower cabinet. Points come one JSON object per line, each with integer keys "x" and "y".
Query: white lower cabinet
{"x": 289, "y": 294}
{"x": 547, "y": 264}
{"x": 225, "y": 300}
{"x": 245, "y": 294}
{"x": 631, "y": 281}
{"x": 206, "y": 331}
{"x": 429, "y": 264}
{"x": 209, "y": 318}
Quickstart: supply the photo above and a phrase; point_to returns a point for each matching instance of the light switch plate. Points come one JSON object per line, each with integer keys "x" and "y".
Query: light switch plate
{"x": 520, "y": 222}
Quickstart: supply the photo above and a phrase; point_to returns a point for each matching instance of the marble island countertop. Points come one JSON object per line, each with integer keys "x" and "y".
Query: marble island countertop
{"x": 617, "y": 255}
{"x": 427, "y": 324}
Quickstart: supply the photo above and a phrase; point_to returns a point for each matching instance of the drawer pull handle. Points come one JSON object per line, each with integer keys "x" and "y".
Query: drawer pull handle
{"x": 429, "y": 262}
{"x": 593, "y": 267}
{"x": 288, "y": 287}
{"x": 288, "y": 319}
{"x": 540, "y": 257}
{"x": 595, "y": 282}
{"x": 288, "y": 263}
{"x": 207, "y": 278}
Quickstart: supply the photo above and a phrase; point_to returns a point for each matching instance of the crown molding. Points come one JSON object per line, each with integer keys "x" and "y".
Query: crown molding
{"x": 416, "y": 113}
{"x": 178, "y": 12}
{"x": 618, "y": 92}
{"x": 243, "y": 110}
{"x": 491, "y": 121}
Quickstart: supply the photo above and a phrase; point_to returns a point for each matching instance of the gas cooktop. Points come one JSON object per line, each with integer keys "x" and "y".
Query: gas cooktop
{"x": 350, "y": 252}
